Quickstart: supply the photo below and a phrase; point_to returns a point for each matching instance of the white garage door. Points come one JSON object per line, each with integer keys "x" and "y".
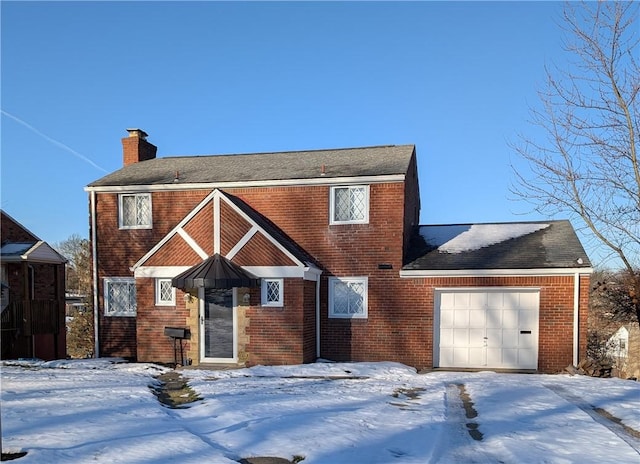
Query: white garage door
{"x": 483, "y": 328}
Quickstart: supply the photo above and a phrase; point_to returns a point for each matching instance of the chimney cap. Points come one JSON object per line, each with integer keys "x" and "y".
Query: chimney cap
{"x": 134, "y": 132}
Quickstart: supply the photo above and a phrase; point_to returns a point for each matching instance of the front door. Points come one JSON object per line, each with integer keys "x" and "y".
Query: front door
{"x": 218, "y": 326}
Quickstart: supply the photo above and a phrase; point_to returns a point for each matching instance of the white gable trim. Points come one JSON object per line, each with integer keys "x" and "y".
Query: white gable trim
{"x": 267, "y": 236}
{"x": 216, "y": 196}
{"x": 242, "y": 242}
{"x": 264, "y": 272}
{"x": 216, "y": 223}
{"x": 192, "y": 243}
{"x": 173, "y": 231}
{"x": 159, "y": 271}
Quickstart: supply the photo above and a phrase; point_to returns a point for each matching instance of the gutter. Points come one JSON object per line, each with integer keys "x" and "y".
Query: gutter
{"x": 94, "y": 258}
{"x": 372, "y": 179}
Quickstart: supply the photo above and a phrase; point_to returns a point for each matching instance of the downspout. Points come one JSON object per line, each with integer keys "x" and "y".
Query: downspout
{"x": 576, "y": 317}
{"x": 94, "y": 258}
{"x": 317, "y": 316}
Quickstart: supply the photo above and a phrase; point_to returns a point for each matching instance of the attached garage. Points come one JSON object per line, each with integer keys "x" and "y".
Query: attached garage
{"x": 481, "y": 328}
{"x": 502, "y": 296}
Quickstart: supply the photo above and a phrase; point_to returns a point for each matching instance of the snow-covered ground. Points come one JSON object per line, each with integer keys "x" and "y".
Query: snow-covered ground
{"x": 103, "y": 412}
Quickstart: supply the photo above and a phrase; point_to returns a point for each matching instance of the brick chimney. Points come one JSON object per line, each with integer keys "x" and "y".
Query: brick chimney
{"x": 135, "y": 148}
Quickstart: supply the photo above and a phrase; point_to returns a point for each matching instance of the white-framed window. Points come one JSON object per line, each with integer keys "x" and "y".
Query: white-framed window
{"x": 135, "y": 211}
{"x": 165, "y": 293}
{"x": 273, "y": 292}
{"x": 348, "y": 297}
{"x": 349, "y": 204}
{"x": 119, "y": 296}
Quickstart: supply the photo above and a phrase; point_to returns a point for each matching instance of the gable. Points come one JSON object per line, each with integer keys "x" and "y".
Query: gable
{"x": 219, "y": 225}
{"x": 12, "y": 230}
{"x": 233, "y": 227}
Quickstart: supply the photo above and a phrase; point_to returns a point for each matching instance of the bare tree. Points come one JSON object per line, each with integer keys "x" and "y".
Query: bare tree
{"x": 80, "y": 343}
{"x": 586, "y": 162}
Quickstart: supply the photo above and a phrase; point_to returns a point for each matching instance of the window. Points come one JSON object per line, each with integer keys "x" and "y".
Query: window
{"x": 350, "y": 205}
{"x": 272, "y": 292}
{"x": 119, "y": 296}
{"x": 165, "y": 293}
{"x": 135, "y": 211}
{"x": 348, "y": 297}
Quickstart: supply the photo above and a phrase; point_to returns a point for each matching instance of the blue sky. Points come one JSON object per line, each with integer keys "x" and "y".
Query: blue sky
{"x": 456, "y": 79}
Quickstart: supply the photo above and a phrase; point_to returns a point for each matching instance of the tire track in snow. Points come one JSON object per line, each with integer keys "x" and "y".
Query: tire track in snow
{"x": 600, "y": 418}
{"x": 457, "y": 444}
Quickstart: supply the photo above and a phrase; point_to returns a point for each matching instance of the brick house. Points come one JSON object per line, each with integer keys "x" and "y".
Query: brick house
{"x": 283, "y": 258}
{"x": 33, "y": 294}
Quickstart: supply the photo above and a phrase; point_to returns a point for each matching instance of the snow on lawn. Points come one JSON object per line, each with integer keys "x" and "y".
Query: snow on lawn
{"x": 101, "y": 411}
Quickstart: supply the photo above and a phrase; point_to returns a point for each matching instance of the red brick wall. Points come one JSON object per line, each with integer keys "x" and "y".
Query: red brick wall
{"x": 309, "y": 322}
{"x": 118, "y": 250}
{"x": 153, "y": 345}
{"x": 276, "y": 335}
{"x": 400, "y": 323}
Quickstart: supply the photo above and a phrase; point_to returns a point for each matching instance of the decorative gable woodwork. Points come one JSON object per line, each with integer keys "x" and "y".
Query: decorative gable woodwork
{"x": 216, "y": 225}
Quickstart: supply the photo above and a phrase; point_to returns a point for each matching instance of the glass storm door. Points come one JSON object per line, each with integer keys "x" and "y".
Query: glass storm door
{"x": 218, "y": 326}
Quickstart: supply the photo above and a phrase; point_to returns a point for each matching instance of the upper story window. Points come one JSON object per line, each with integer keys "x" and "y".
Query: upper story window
{"x": 348, "y": 297}
{"x": 165, "y": 293}
{"x": 135, "y": 211}
{"x": 349, "y": 205}
{"x": 272, "y": 292}
{"x": 119, "y": 296}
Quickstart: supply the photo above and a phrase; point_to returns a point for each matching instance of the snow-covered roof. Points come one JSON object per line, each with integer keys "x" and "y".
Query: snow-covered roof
{"x": 460, "y": 238}
{"x": 39, "y": 252}
{"x": 509, "y": 245}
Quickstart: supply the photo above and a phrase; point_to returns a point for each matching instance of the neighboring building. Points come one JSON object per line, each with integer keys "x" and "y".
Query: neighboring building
{"x": 623, "y": 349}
{"x": 33, "y": 296}
{"x": 282, "y": 258}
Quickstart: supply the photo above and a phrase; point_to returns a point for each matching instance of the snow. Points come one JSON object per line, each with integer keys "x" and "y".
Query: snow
{"x": 103, "y": 411}
{"x": 461, "y": 238}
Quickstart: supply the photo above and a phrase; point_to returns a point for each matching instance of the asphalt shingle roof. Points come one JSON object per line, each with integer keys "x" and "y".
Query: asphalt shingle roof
{"x": 345, "y": 162}
{"x": 537, "y": 245}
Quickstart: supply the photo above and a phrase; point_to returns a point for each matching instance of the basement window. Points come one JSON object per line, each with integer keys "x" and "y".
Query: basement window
{"x": 135, "y": 211}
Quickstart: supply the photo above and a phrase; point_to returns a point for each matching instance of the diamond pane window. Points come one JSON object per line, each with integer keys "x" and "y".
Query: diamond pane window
{"x": 135, "y": 211}
{"x": 165, "y": 293}
{"x": 348, "y": 297}
{"x": 272, "y": 292}
{"x": 119, "y": 296}
{"x": 350, "y": 204}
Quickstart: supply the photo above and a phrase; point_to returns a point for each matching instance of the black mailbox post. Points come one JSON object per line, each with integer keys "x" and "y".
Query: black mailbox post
{"x": 177, "y": 334}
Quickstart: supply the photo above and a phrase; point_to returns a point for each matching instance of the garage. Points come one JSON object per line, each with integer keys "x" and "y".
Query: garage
{"x": 486, "y": 328}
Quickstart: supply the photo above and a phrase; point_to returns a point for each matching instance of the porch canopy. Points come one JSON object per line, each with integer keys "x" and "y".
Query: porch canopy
{"x": 215, "y": 272}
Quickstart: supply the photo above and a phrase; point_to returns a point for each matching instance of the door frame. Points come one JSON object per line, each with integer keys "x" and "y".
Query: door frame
{"x": 201, "y": 335}
{"x": 437, "y": 294}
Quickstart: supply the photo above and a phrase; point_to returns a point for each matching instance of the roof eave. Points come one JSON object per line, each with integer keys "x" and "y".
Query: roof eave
{"x": 245, "y": 184}
{"x": 420, "y": 273}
